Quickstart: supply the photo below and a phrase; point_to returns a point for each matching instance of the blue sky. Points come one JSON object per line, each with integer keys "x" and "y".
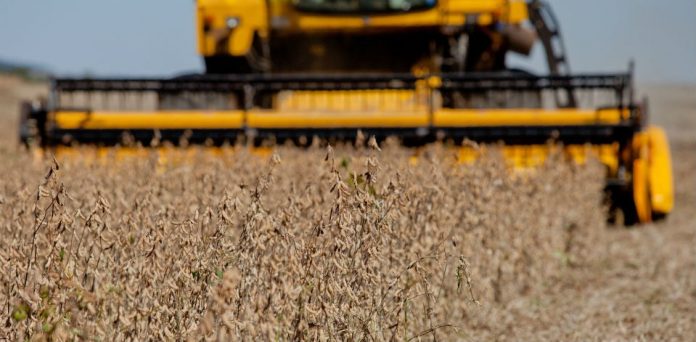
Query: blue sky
{"x": 138, "y": 37}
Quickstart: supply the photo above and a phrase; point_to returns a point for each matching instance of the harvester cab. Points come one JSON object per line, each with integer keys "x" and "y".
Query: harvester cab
{"x": 420, "y": 70}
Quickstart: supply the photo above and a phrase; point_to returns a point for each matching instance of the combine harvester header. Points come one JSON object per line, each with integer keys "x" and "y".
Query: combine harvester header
{"x": 421, "y": 70}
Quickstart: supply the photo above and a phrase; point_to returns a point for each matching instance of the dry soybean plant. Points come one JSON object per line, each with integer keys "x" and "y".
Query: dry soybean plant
{"x": 315, "y": 244}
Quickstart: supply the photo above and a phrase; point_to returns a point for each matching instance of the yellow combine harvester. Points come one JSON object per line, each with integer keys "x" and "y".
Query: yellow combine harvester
{"x": 420, "y": 70}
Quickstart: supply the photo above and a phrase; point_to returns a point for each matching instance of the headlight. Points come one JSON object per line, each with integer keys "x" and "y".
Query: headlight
{"x": 232, "y": 22}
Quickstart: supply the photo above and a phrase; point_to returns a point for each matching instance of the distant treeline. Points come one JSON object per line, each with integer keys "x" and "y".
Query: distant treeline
{"x": 25, "y": 71}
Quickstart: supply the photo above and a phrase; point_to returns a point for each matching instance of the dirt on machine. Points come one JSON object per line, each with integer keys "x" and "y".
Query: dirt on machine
{"x": 422, "y": 71}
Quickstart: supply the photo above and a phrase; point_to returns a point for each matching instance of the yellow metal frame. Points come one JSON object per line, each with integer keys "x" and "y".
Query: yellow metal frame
{"x": 232, "y": 119}
{"x": 653, "y": 186}
{"x": 271, "y": 119}
{"x": 526, "y": 117}
{"x": 518, "y": 156}
{"x": 256, "y": 18}
{"x": 533, "y": 156}
{"x": 641, "y": 194}
{"x": 212, "y": 25}
{"x": 149, "y": 120}
{"x": 660, "y": 172}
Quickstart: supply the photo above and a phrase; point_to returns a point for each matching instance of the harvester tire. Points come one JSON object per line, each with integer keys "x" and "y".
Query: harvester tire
{"x": 622, "y": 209}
